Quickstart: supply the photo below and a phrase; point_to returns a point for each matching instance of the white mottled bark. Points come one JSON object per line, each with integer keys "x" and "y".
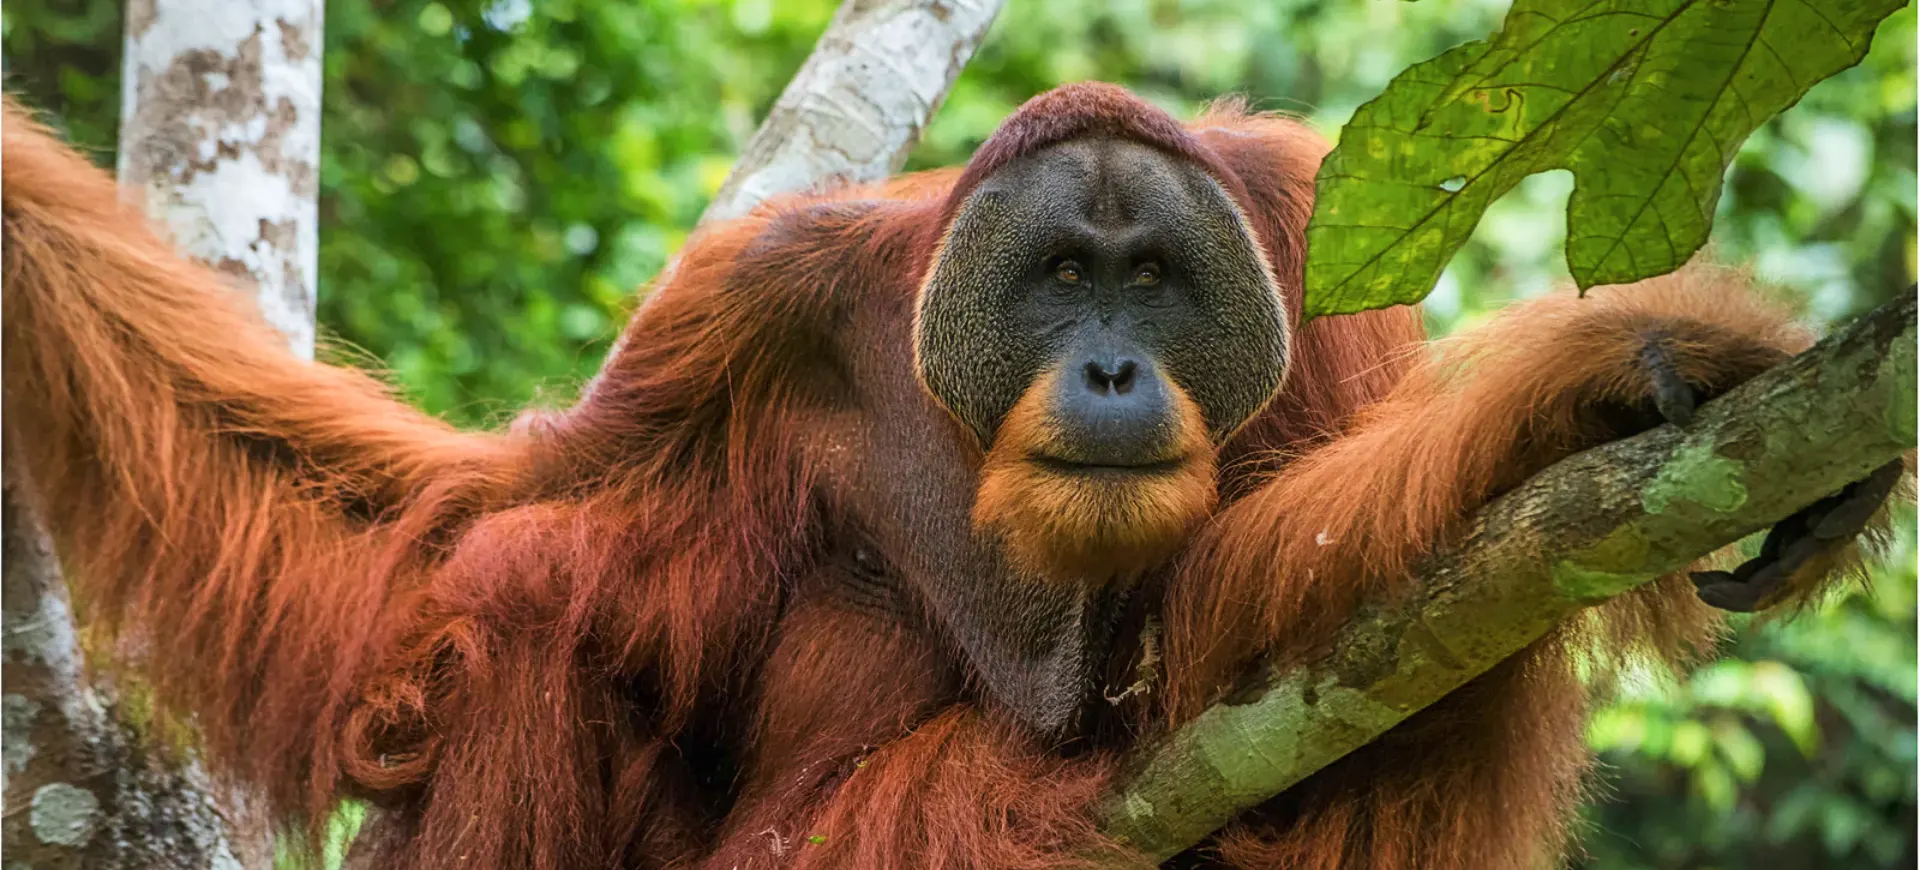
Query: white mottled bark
{"x": 220, "y": 142}
{"x": 220, "y": 137}
{"x": 858, "y": 104}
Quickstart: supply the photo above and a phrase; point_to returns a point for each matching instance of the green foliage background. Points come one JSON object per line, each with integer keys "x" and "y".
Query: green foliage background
{"x": 499, "y": 176}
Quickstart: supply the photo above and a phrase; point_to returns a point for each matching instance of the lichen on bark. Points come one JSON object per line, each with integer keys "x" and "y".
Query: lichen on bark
{"x": 1589, "y": 528}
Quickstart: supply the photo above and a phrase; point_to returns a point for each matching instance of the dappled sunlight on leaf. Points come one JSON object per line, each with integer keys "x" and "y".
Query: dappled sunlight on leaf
{"x": 1646, "y": 101}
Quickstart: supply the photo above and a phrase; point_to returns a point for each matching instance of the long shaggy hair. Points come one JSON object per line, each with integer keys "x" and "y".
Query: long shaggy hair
{"x": 594, "y": 639}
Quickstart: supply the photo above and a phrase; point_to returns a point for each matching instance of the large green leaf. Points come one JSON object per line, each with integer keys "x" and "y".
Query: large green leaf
{"x": 1646, "y": 101}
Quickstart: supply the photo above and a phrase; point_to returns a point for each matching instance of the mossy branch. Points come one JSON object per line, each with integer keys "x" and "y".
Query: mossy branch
{"x": 1579, "y": 533}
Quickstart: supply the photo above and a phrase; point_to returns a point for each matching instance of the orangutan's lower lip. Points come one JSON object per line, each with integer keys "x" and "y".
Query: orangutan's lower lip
{"x": 1068, "y": 466}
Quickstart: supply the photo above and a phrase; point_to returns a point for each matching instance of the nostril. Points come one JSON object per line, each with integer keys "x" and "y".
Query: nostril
{"x": 1111, "y": 377}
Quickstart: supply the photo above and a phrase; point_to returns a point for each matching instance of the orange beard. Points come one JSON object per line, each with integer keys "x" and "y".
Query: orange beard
{"x": 1092, "y": 525}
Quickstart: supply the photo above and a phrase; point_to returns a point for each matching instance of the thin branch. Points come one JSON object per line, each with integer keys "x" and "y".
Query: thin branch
{"x": 856, "y": 107}
{"x": 858, "y": 104}
{"x": 1587, "y": 529}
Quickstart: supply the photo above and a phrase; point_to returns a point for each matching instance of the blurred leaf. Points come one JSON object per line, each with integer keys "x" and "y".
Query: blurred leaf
{"x": 1744, "y": 754}
{"x": 1794, "y": 812}
{"x": 1841, "y": 826}
{"x": 1689, "y": 744}
{"x": 1785, "y": 696}
{"x": 1617, "y": 727}
{"x": 1715, "y": 786}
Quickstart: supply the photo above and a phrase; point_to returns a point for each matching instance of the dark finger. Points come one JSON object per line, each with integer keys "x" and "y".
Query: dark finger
{"x": 1746, "y": 588}
{"x": 1672, "y": 396}
{"x": 1794, "y": 556}
{"x": 1712, "y": 578}
{"x": 1858, "y": 503}
{"x": 1733, "y": 596}
{"x": 1777, "y": 537}
{"x": 1767, "y": 581}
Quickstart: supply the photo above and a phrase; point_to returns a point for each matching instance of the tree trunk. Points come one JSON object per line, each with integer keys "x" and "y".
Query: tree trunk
{"x": 84, "y": 788}
{"x": 220, "y": 141}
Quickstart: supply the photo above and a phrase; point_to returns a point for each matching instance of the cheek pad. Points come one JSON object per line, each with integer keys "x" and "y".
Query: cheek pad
{"x": 1231, "y": 355}
{"x": 968, "y": 345}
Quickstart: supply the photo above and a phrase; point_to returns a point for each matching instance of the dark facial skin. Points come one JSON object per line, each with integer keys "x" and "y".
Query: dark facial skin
{"x": 1111, "y": 402}
{"x": 1124, "y": 270}
{"x": 1123, "y": 274}
{"x": 1128, "y": 274}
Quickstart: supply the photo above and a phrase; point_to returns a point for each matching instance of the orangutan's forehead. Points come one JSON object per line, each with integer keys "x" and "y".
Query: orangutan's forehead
{"x": 1101, "y": 179}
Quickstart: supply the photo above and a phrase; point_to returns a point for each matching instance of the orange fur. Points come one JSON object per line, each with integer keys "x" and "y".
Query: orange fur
{"x": 505, "y": 641}
{"x": 1477, "y": 416}
{"x": 1277, "y": 573}
{"x": 250, "y": 515}
{"x": 1078, "y": 526}
{"x": 809, "y": 736}
{"x": 613, "y": 636}
{"x": 965, "y": 791}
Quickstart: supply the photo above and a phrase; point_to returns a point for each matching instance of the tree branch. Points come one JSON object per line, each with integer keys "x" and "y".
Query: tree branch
{"x": 855, "y": 108}
{"x": 858, "y": 104}
{"x": 1587, "y": 529}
